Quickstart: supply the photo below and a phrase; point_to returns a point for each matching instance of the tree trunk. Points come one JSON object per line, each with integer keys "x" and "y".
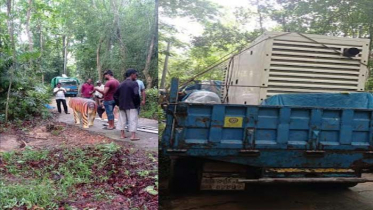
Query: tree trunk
{"x": 99, "y": 67}
{"x": 63, "y": 53}
{"x": 122, "y": 47}
{"x": 41, "y": 53}
{"x": 284, "y": 24}
{"x": 108, "y": 49}
{"x": 66, "y": 43}
{"x": 148, "y": 78}
{"x": 164, "y": 73}
{"x": 14, "y": 59}
{"x": 260, "y": 16}
{"x": 29, "y": 34}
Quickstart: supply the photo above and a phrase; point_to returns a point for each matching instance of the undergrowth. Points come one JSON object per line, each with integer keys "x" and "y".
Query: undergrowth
{"x": 151, "y": 104}
{"x": 51, "y": 179}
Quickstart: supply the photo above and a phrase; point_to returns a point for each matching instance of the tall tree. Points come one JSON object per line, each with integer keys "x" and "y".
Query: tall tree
{"x": 13, "y": 50}
{"x": 154, "y": 28}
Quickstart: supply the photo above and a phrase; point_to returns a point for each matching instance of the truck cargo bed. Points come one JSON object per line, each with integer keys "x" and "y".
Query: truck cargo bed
{"x": 270, "y": 136}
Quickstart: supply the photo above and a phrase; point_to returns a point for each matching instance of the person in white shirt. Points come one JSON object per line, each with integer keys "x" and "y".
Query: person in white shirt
{"x": 101, "y": 87}
{"x": 99, "y": 99}
{"x": 59, "y": 92}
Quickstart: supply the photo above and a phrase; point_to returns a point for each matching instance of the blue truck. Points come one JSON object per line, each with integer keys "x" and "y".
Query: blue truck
{"x": 226, "y": 146}
{"x": 71, "y": 84}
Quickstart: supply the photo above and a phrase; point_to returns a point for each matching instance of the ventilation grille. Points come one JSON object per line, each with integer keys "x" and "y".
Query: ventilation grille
{"x": 299, "y": 67}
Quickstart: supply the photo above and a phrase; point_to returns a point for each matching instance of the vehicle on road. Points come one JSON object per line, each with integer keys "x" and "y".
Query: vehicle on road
{"x": 71, "y": 84}
{"x": 296, "y": 138}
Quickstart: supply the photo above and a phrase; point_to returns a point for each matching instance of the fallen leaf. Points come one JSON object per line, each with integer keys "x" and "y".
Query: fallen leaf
{"x": 151, "y": 190}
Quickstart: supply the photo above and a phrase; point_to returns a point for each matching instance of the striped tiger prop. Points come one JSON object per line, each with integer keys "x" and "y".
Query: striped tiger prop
{"x": 85, "y": 109}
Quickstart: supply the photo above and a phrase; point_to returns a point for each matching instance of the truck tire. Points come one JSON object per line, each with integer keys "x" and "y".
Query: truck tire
{"x": 185, "y": 175}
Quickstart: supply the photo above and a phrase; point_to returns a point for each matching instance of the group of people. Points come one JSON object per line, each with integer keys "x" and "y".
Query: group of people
{"x": 128, "y": 96}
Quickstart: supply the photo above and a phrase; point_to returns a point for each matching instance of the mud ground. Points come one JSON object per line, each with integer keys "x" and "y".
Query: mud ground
{"x": 276, "y": 197}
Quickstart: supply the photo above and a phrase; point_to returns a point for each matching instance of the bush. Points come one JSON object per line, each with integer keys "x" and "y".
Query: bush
{"x": 150, "y": 110}
{"x": 26, "y": 101}
{"x": 27, "y": 95}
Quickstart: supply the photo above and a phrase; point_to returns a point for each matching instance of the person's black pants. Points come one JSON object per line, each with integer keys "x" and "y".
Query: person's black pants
{"x": 59, "y": 105}
{"x": 100, "y": 111}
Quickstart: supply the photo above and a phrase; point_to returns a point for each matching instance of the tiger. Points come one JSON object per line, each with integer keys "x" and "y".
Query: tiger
{"x": 85, "y": 109}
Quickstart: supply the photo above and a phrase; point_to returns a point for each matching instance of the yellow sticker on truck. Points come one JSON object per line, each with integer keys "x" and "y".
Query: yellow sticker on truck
{"x": 233, "y": 122}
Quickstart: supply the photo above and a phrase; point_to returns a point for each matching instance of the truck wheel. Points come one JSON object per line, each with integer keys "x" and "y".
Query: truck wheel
{"x": 185, "y": 175}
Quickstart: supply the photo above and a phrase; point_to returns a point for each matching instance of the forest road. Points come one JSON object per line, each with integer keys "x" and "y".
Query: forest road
{"x": 148, "y": 141}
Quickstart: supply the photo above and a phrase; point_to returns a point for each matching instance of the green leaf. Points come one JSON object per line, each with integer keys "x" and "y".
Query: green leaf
{"x": 151, "y": 190}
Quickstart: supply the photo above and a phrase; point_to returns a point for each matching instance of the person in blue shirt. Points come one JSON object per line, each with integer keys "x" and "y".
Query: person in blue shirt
{"x": 141, "y": 93}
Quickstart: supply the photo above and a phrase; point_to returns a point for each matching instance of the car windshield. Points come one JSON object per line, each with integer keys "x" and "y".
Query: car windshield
{"x": 68, "y": 82}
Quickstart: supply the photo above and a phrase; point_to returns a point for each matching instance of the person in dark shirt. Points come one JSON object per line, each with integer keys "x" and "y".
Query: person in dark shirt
{"x": 128, "y": 99}
{"x": 109, "y": 103}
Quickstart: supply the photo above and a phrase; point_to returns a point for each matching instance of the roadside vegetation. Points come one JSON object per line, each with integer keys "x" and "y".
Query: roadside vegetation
{"x": 104, "y": 175}
{"x": 150, "y": 109}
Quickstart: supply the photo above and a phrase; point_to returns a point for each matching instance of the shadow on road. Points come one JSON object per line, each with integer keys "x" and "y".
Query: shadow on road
{"x": 273, "y": 197}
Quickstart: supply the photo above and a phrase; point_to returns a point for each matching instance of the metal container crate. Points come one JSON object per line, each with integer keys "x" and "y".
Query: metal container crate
{"x": 279, "y": 62}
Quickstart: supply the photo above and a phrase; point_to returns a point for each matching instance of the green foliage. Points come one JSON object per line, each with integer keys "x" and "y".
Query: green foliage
{"x": 125, "y": 34}
{"x": 150, "y": 108}
{"x": 33, "y": 155}
{"x": 117, "y": 33}
{"x": 49, "y": 177}
{"x": 200, "y": 10}
{"x": 218, "y": 39}
{"x": 151, "y": 190}
{"x": 27, "y": 99}
{"x": 27, "y": 194}
{"x": 108, "y": 148}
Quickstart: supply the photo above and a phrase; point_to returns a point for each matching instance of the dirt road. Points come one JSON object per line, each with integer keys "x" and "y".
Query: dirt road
{"x": 147, "y": 141}
{"x": 277, "y": 197}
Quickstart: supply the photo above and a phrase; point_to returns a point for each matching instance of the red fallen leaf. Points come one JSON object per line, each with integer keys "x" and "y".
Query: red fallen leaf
{"x": 118, "y": 199}
{"x": 35, "y": 164}
{"x": 128, "y": 193}
{"x": 110, "y": 181}
{"x": 61, "y": 208}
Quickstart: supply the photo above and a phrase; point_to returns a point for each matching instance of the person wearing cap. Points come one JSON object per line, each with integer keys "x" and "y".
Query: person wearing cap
{"x": 59, "y": 92}
{"x": 128, "y": 98}
{"x": 109, "y": 103}
{"x": 99, "y": 99}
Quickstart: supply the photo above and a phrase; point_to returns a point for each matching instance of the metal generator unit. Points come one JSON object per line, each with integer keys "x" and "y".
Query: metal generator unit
{"x": 280, "y": 62}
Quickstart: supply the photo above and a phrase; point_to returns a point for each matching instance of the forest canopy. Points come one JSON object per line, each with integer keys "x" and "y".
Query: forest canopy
{"x": 226, "y": 29}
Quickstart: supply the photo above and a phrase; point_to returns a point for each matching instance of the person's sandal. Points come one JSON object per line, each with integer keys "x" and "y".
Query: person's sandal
{"x": 106, "y": 128}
